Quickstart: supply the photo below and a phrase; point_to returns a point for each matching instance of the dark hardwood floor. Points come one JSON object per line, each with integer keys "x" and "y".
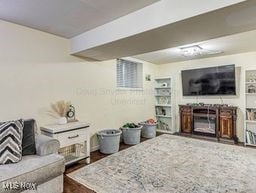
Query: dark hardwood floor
{"x": 71, "y": 186}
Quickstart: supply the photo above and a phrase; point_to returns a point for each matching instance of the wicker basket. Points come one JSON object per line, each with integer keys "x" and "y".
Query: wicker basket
{"x": 72, "y": 152}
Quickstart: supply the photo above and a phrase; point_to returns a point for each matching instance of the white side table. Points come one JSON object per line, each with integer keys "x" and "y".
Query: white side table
{"x": 71, "y": 135}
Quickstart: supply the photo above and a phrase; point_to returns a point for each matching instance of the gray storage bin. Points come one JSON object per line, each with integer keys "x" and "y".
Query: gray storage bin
{"x": 148, "y": 130}
{"x": 131, "y": 136}
{"x": 109, "y": 140}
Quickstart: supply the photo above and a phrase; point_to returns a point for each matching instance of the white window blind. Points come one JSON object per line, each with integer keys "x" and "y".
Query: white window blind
{"x": 129, "y": 74}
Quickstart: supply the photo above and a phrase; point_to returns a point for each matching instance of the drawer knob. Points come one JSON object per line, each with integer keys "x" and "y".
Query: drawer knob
{"x": 72, "y": 137}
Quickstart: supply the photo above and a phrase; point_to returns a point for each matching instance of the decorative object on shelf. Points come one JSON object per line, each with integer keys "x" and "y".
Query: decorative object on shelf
{"x": 162, "y": 126}
{"x": 251, "y": 77}
{"x": 163, "y": 111}
{"x": 71, "y": 114}
{"x": 251, "y": 114}
{"x": 251, "y": 89}
{"x": 160, "y": 111}
{"x": 148, "y": 77}
{"x": 164, "y": 84}
{"x": 163, "y": 100}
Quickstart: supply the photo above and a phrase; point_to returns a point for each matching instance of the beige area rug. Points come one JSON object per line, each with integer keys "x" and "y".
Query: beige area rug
{"x": 173, "y": 164}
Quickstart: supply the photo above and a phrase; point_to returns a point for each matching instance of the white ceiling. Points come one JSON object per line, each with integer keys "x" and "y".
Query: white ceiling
{"x": 237, "y": 43}
{"x": 214, "y": 25}
{"x": 67, "y": 18}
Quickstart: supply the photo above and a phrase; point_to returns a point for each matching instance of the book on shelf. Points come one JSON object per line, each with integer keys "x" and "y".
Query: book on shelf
{"x": 251, "y": 137}
{"x": 160, "y": 111}
{"x": 251, "y": 114}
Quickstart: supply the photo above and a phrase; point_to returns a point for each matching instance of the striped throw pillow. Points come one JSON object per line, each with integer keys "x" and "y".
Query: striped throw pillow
{"x": 11, "y": 133}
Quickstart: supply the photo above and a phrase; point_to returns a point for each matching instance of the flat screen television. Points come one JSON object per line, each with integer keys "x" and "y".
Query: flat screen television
{"x": 218, "y": 80}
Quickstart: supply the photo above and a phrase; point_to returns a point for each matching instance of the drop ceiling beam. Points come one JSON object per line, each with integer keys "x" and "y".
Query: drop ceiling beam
{"x": 163, "y": 24}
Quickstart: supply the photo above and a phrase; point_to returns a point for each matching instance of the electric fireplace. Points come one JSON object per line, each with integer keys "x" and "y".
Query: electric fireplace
{"x": 205, "y": 122}
{"x": 209, "y": 121}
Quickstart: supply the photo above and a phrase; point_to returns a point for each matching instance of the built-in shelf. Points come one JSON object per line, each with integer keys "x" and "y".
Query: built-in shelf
{"x": 162, "y": 87}
{"x": 250, "y": 121}
{"x": 250, "y": 112}
{"x": 159, "y": 95}
{"x": 164, "y": 106}
{"x": 247, "y": 108}
{"x": 164, "y": 116}
{"x": 161, "y": 105}
{"x": 162, "y": 78}
{"x": 248, "y": 144}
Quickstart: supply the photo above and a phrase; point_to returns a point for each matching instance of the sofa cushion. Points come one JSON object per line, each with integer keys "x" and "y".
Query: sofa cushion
{"x": 28, "y": 140}
{"x": 11, "y": 141}
{"x": 32, "y": 168}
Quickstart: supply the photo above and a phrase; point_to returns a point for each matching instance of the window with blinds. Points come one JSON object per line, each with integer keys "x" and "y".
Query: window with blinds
{"x": 129, "y": 74}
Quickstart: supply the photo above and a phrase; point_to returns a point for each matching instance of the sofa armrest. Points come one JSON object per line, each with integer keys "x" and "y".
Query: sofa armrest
{"x": 46, "y": 145}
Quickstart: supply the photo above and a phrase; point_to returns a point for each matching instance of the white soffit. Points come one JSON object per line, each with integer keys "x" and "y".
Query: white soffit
{"x": 164, "y": 12}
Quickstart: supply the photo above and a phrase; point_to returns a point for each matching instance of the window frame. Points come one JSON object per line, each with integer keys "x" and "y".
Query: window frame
{"x": 139, "y": 68}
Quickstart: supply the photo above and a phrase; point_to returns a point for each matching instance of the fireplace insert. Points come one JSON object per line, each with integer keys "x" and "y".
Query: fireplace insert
{"x": 205, "y": 122}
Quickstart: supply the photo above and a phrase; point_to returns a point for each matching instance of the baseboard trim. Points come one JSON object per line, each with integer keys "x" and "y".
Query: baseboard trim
{"x": 95, "y": 148}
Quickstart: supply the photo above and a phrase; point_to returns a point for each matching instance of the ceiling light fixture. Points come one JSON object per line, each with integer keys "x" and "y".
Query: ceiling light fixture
{"x": 191, "y": 51}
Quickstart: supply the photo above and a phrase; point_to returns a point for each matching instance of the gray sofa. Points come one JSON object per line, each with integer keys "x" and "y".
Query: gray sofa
{"x": 45, "y": 169}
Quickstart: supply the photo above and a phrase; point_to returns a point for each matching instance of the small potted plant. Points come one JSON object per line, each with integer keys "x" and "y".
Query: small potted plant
{"x": 131, "y": 133}
{"x": 148, "y": 128}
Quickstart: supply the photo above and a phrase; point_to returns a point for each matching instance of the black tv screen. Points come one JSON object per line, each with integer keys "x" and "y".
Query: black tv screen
{"x": 218, "y": 80}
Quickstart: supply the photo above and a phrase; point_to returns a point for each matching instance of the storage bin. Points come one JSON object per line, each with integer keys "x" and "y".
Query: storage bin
{"x": 148, "y": 130}
{"x": 109, "y": 140}
{"x": 131, "y": 136}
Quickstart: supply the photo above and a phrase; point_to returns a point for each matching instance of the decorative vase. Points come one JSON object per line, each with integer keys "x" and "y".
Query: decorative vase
{"x": 62, "y": 121}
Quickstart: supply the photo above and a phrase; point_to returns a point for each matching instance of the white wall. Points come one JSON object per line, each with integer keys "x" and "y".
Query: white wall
{"x": 242, "y": 61}
{"x": 37, "y": 70}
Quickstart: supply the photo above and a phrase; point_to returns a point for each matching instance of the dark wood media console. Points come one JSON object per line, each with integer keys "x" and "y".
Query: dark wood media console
{"x": 217, "y": 121}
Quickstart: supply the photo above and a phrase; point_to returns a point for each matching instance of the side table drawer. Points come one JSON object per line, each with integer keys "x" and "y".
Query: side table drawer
{"x": 72, "y": 137}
